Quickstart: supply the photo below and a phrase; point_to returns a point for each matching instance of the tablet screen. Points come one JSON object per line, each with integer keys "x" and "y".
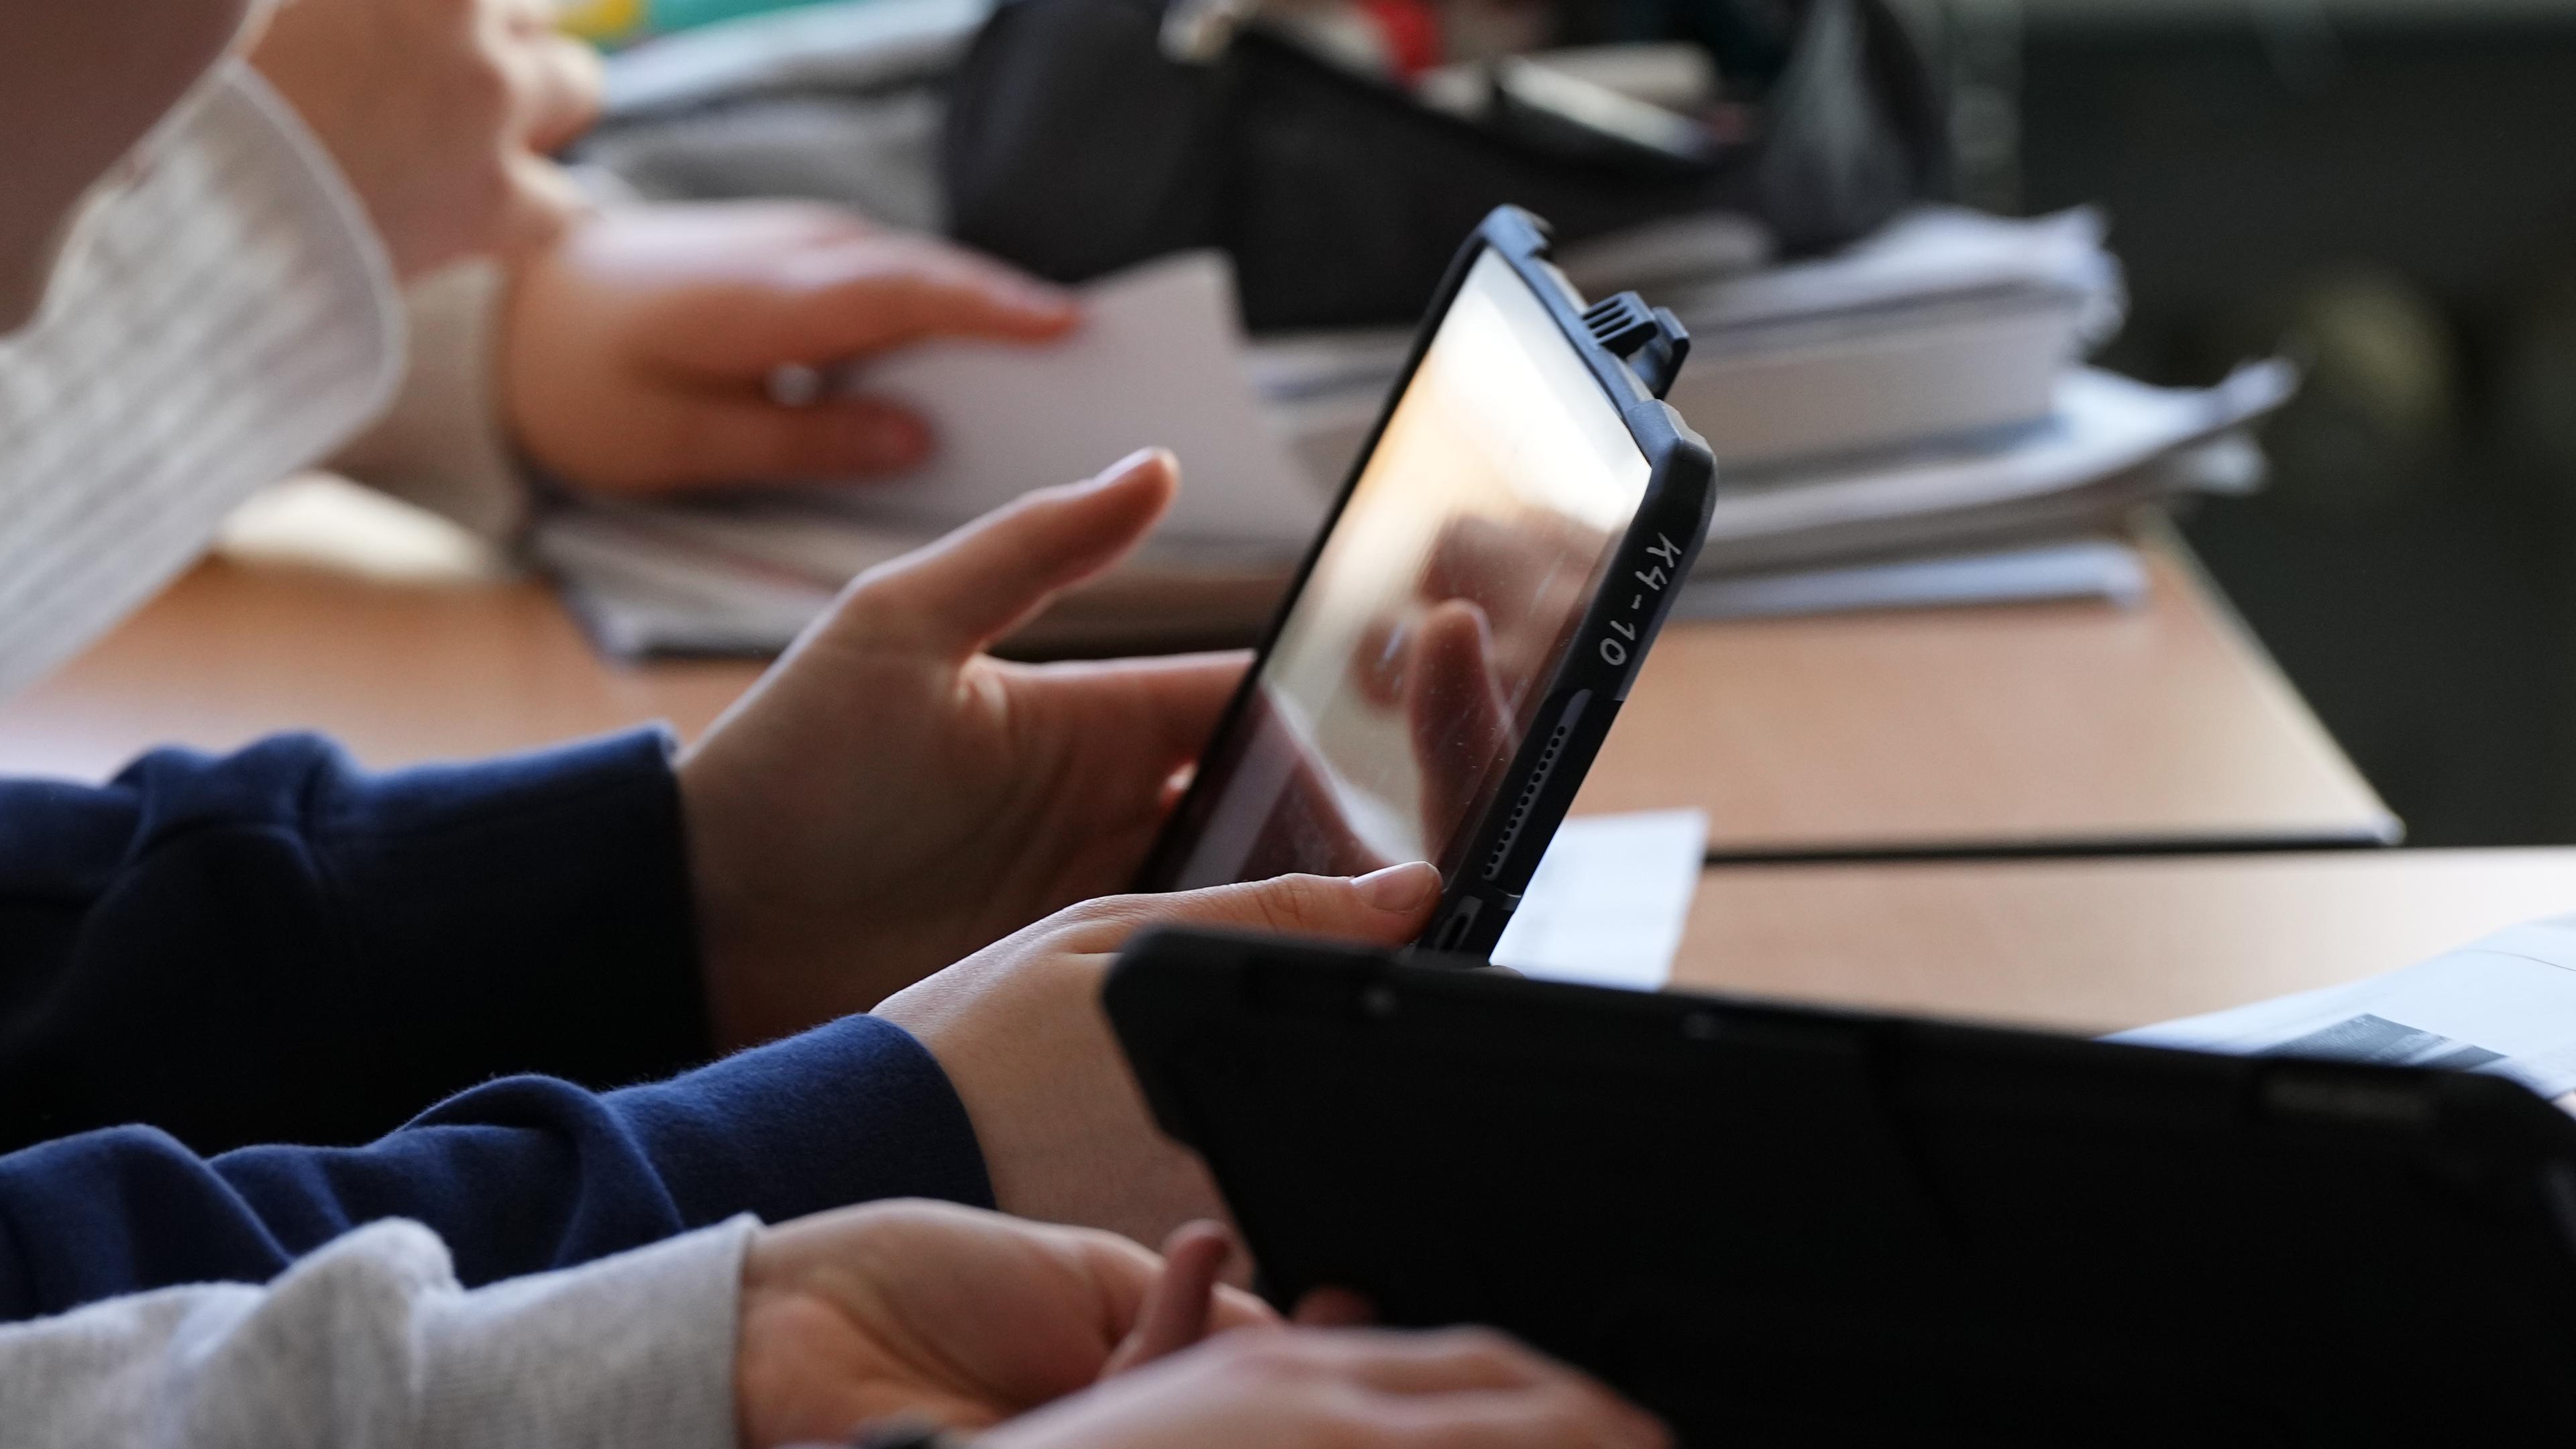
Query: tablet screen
{"x": 1411, "y": 665}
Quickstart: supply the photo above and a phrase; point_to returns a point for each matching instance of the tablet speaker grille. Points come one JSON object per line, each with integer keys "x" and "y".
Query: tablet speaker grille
{"x": 1538, "y": 777}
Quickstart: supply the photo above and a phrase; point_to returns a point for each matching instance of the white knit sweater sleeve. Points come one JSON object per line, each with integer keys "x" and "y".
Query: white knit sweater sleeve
{"x": 220, "y": 321}
{"x": 443, "y": 444}
{"x": 369, "y": 1343}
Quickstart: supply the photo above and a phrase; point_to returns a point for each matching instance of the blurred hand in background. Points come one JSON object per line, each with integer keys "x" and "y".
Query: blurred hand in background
{"x": 440, "y": 113}
{"x": 638, "y": 355}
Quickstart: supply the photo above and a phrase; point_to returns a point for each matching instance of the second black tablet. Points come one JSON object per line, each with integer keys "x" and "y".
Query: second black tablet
{"x": 1779, "y": 1226}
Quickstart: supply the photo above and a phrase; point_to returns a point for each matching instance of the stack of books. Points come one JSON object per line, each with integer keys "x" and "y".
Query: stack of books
{"x": 1906, "y": 423}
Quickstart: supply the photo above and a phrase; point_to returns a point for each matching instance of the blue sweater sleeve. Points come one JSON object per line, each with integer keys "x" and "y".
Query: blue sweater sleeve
{"x": 275, "y": 946}
{"x": 519, "y": 1175}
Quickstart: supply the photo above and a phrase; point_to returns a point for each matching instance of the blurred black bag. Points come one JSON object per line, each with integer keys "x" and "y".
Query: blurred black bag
{"x": 1075, "y": 146}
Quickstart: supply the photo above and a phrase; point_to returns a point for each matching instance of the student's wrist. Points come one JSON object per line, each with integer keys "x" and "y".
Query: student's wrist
{"x": 716, "y": 905}
{"x": 766, "y": 973}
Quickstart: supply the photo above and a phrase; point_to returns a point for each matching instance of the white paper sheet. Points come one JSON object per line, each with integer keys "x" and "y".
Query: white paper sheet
{"x": 1158, "y": 361}
{"x": 2105, "y": 425}
{"x": 1609, "y": 901}
{"x": 2505, "y": 1005}
{"x": 1932, "y": 251}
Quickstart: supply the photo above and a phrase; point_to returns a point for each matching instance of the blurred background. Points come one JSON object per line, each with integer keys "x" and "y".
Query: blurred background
{"x": 1899, "y": 230}
{"x": 2381, "y": 191}
{"x": 2386, "y": 190}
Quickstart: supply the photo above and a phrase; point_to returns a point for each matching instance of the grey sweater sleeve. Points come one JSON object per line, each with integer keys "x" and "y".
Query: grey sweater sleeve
{"x": 370, "y": 1344}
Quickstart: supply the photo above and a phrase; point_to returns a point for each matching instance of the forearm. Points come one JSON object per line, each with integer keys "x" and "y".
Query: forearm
{"x": 371, "y": 1341}
{"x": 276, "y": 946}
{"x": 517, "y": 1176}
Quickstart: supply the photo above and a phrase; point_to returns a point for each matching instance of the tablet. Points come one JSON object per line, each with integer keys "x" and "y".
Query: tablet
{"x": 1463, "y": 631}
{"x": 1785, "y": 1226}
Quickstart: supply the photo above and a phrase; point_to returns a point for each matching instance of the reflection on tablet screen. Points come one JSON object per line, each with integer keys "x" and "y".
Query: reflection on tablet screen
{"x": 1408, "y": 672}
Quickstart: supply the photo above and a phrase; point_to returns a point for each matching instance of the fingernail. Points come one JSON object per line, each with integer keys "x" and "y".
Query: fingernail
{"x": 1128, "y": 466}
{"x": 1399, "y": 889}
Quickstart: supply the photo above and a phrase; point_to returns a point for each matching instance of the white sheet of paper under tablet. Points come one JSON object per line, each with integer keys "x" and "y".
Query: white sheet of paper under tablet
{"x": 1609, "y": 901}
{"x": 2506, "y": 1005}
{"x": 1157, "y": 361}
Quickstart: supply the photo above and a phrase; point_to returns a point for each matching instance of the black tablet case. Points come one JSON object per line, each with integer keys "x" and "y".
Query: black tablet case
{"x": 1633, "y": 352}
{"x": 1785, "y": 1226}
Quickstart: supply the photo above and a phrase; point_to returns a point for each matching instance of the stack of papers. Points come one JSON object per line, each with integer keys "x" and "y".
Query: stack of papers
{"x": 2109, "y": 445}
{"x": 1904, "y": 424}
{"x": 1907, "y": 422}
{"x": 1948, "y": 323}
{"x": 1910, "y": 423}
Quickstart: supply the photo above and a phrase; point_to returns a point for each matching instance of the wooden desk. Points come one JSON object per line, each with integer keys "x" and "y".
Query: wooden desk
{"x": 2071, "y": 721}
{"x": 2075, "y": 721}
{"x": 2063, "y": 721}
{"x": 398, "y": 673}
{"x": 2101, "y": 945}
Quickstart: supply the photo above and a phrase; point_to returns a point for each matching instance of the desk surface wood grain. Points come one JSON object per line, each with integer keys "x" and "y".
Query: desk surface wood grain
{"x": 400, "y": 673}
{"x": 2057, "y": 721}
{"x": 2102, "y": 945}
